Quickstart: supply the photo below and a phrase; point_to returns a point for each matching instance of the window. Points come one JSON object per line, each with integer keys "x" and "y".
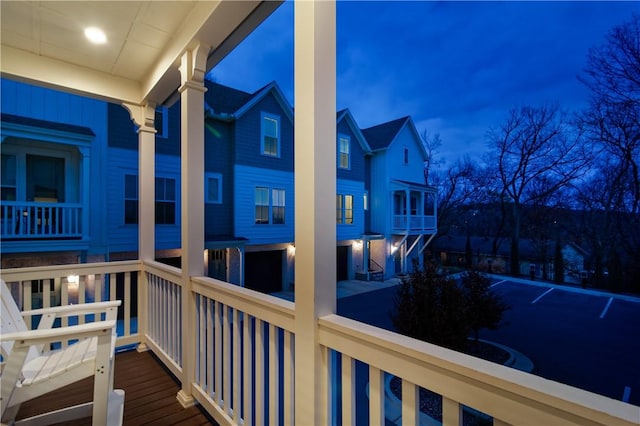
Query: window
{"x": 213, "y": 188}
{"x": 262, "y": 205}
{"x": 344, "y": 209}
{"x": 270, "y": 135}
{"x": 277, "y": 199}
{"x": 405, "y": 155}
{"x": 165, "y": 201}
{"x": 130, "y": 199}
{"x": 161, "y": 122}
{"x": 267, "y": 208}
{"x": 45, "y": 178}
{"x": 344, "y": 150}
{"x": 8, "y": 178}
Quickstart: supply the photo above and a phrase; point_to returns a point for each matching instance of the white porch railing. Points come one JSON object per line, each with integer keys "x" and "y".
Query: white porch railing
{"x": 36, "y": 220}
{"x": 244, "y": 345}
{"x": 402, "y": 222}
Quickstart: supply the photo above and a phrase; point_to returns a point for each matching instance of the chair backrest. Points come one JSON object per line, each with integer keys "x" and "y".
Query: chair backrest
{"x": 11, "y": 319}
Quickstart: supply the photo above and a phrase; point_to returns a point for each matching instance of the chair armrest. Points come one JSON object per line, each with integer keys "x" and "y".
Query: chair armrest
{"x": 38, "y": 337}
{"x": 72, "y": 310}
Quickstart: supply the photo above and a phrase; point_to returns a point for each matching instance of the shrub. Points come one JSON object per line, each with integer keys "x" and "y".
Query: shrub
{"x": 483, "y": 308}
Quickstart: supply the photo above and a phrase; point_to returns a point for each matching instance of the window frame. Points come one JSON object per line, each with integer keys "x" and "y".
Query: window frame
{"x": 341, "y": 153}
{"x": 208, "y": 176}
{"x": 128, "y": 199}
{"x": 261, "y": 221}
{"x": 165, "y": 201}
{"x": 344, "y": 214}
{"x": 405, "y": 155}
{"x": 276, "y": 118}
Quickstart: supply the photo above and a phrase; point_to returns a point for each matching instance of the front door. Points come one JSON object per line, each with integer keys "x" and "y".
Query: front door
{"x": 218, "y": 264}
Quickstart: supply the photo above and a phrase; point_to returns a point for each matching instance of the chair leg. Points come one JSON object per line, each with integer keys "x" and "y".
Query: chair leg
{"x": 103, "y": 380}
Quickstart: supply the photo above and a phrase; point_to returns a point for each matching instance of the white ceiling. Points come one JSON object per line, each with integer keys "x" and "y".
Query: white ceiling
{"x": 43, "y": 42}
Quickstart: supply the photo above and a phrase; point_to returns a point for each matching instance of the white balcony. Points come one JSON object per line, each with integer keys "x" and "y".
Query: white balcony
{"x": 38, "y": 220}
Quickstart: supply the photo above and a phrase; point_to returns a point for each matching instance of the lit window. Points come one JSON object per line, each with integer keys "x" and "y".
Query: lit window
{"x": 344, "y": 209}
{"x": 270, "y": 136}
{"x": 344, "y": 150}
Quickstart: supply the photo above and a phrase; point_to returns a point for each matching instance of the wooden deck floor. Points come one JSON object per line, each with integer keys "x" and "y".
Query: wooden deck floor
{"x": 150, "y": 395}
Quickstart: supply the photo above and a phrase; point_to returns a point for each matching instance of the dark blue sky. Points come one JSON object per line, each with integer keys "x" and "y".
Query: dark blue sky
{"x": 455, "y": 67}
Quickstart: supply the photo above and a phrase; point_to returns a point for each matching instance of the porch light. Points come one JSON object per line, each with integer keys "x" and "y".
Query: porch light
{"x": 291, "y": 250}
{"x": 394, "y": 248}
{"x": 73, "y": 281}
{"x": 357, "y": 244}
{"x": 95, "y": 35}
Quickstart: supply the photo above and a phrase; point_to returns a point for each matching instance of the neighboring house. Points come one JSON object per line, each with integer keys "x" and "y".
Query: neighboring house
{"x": 384, "y": 212}
{"x": 451, "y": 251}
{"x": 403, "y": 209}
{"x": 53, "y": 144}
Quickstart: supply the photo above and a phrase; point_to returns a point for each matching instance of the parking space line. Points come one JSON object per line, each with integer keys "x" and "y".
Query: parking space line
{"x": 627, "y": 394}
{"x": 499, "y": 282}
{"x": 606, "y": 308}
{"x": 542, "y": 295}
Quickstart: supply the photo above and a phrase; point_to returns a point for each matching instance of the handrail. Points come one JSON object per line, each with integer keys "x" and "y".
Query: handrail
{"x": 504, "y": 393}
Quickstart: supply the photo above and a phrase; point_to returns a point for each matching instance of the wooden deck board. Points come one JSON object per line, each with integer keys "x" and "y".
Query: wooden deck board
{"x": 150, "y": 395}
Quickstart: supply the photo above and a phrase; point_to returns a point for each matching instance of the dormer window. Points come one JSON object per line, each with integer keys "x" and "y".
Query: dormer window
{"x": 270, "y": 135}
{"x": 344, "y": 152}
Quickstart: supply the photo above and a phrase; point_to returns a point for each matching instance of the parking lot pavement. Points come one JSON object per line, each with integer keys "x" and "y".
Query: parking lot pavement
{"x": 581, "y": 337}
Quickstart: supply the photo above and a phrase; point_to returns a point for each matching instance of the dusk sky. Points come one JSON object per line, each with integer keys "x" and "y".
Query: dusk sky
{"x": 455, "y": 67}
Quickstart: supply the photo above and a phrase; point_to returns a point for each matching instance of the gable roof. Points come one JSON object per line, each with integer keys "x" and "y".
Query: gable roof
{"x": 224, "y": 99}
{"x": 229, "y": 103}
{"x": 346, "y": 115}
{"x": 381, "y": 137}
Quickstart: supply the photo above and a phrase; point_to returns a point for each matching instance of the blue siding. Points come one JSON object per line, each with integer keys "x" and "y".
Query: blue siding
{"x": 247, "y": 179}
{"x": 248, "y": 137}
{"x": 357, "y": 169}
{"x": 218, "y": 154}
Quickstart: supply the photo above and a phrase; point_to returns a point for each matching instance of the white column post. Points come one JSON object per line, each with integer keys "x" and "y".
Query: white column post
{"x": 144, "y": 117}
{"x": 315, "y": 190}
{"x": 192, "y": 70}
{"x": 85, "y": 152}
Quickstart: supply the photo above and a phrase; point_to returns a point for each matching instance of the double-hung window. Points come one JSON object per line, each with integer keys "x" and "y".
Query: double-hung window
{"x": 344, "y": 209}
{"x": 8, "y": 180}
{"x": 344, "y": 152}
{"x": 165, "y": 203}
{"x": 269, "y": 206}
{"x": 161, "y": 122}
{"x": 270, "y": 135}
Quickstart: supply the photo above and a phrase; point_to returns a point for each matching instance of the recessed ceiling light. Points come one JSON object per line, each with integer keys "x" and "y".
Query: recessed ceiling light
{"x": 95, "y": 35}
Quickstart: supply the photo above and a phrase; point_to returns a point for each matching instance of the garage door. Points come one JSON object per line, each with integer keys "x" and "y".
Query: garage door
{"x": 263, "y": 270}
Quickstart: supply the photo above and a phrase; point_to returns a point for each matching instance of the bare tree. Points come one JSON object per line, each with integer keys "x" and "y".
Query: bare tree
{"x": 536, "y": 152}
{"x": 612, "y": 125}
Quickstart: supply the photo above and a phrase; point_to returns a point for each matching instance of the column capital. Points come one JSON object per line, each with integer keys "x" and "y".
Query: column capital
{"x": 193, "y": 67}
{"x": 142, "y": 115}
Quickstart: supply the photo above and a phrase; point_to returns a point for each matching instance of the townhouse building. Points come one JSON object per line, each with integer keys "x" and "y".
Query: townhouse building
{"x": 384, "y": 212}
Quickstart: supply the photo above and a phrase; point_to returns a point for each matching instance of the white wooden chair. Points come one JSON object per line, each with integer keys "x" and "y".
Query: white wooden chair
{"x": 30, "y": 369}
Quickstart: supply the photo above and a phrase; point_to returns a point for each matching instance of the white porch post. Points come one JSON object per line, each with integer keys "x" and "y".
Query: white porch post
{"x": 144, "y": 117}
{"x": 192, "y": 70}
{"x": 85, "y": 178}
{"x": 315, "y": 190}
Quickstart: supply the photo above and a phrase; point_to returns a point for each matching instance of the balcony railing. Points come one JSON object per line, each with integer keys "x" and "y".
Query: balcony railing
{"x": 240, "y": 349}
{"x": 414, "y": 223}
{"x": 37, "y": 220}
